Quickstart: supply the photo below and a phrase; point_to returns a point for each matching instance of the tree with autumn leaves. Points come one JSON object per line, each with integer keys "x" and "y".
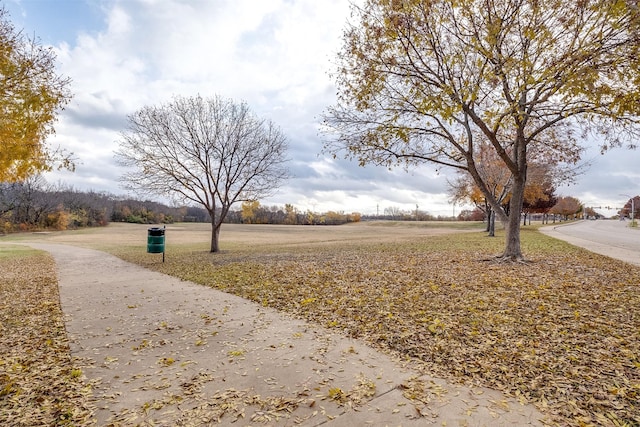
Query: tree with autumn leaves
{"x": 427, "y": 81}
{"x": 631, "y": 209}
{"x": 539, "y": 192}
{"x": 31, "y": 95}
{"x": 568, "y": 207}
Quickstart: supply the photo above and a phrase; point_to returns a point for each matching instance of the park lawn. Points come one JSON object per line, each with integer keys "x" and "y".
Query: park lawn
{"x": 39, "y": 385}
{"x": 561, "y": 331}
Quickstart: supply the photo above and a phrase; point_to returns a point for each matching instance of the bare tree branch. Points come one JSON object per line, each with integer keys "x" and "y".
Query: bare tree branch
{"x": 211, "y": 152}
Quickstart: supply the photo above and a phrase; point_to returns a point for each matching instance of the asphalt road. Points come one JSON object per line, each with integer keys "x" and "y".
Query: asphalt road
{"x": 612, "y": 238}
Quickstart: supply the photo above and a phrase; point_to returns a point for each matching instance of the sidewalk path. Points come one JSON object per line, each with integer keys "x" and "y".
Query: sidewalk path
{"x": 162, "y": 351}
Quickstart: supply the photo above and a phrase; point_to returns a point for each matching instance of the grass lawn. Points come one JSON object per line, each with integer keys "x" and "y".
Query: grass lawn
{"x": 562, "y": 331}
{"x": 38, "y": 383}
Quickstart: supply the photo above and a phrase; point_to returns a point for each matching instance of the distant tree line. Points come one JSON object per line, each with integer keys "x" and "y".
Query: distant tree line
{"x": 254, "y": 213}
{"x": 562, "y": 209}
{"x": 33, "y": 204}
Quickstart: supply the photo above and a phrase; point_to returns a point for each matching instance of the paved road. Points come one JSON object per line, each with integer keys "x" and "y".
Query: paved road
{"x": 612, "y": 238}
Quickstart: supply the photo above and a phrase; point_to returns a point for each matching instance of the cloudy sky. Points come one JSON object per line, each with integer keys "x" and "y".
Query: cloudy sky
{"x": 274, "y": 54}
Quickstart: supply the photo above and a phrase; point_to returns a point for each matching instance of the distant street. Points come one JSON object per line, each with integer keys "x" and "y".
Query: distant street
{"x": 607, "y": 237}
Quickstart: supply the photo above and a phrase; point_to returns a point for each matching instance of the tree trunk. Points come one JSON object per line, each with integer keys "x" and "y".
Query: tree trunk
{"x": 488, "y": 228}
{"x": 492, "y": 224}
{"x": 512, "y": 249}
{"x": 217, "y": 218}
{"x": 215, "y": 236}
{"x": 216, "y": 223}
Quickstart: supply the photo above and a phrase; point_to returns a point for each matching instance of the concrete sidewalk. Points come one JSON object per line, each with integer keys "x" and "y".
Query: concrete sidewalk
{"x": 166, "y": 352}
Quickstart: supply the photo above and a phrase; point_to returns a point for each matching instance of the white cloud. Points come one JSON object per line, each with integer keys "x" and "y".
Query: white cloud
{"x": 119, "y": 22}
{"x": 274, "y": 54}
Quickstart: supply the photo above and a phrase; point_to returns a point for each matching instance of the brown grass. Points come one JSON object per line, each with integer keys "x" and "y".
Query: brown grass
{"x": 561, "y": 332}
{"x": 39, "y": 385}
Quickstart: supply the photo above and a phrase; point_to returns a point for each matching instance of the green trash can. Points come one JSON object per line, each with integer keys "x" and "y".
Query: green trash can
{"x": 155, "y": 240}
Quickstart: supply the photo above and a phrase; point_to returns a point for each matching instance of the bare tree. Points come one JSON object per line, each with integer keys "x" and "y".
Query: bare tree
{"x": 393, "y": 211}
{"x": 27, "y": 201}
{"x": 210, "y": 152}
{"x": 425, "y": 81}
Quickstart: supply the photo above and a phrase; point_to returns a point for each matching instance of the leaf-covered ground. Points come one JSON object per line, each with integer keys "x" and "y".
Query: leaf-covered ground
{"x": 562, "y": 332}
{"x": 39, "y": 385}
